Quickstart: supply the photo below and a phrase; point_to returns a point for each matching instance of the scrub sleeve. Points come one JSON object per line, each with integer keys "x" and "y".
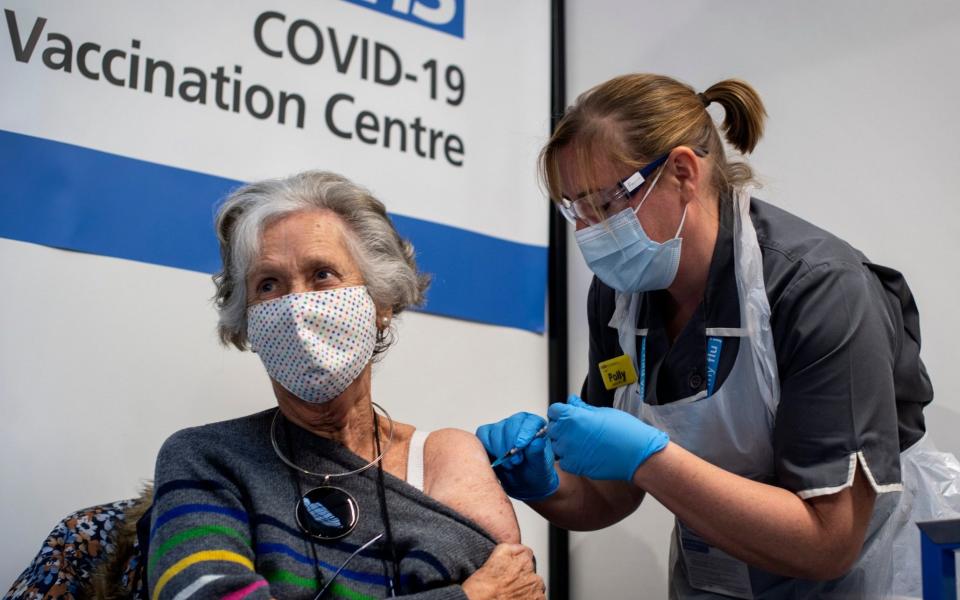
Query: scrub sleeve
{"x": 837, "y": 395}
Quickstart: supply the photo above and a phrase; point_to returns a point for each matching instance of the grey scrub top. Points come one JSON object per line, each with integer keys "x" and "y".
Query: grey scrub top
{"x": 847, "y": 337}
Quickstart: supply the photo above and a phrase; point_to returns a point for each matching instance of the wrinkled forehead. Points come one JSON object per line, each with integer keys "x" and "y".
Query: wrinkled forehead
{"x": 310, "y": 234}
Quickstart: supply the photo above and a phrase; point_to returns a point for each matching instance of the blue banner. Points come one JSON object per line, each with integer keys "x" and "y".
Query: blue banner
{"x": 442, "y": 15}
{"x": 76, "y": 198}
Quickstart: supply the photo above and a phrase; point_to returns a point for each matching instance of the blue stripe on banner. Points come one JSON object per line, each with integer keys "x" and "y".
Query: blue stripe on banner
{"x": 76, "y": 198}
{"x": 479, "y": 277}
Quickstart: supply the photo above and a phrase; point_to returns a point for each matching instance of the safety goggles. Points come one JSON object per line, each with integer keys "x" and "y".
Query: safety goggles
{"x": 594, "y": 207}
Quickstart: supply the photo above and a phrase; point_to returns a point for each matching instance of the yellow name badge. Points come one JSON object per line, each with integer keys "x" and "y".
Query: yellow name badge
{"x": 617, "y": 372}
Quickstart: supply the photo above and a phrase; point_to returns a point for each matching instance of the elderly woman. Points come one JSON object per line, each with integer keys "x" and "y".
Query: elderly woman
{"x": 325, "y": 496}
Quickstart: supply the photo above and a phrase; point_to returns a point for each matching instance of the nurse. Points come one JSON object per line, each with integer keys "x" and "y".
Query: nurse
{"x": 756, "y": 374}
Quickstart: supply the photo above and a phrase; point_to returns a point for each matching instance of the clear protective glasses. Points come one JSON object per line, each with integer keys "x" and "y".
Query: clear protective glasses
{"x": 595, "y": 207}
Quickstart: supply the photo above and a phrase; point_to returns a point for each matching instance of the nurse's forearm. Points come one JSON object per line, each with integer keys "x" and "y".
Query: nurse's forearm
{"x": 763, "y": 525}
{"x": 581, "y": 504}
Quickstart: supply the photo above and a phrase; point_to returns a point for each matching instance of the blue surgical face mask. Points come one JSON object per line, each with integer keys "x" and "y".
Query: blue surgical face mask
{"x": 623, "y": 256}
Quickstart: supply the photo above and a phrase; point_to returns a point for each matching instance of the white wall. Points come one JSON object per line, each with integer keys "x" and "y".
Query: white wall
{"x": 862, "y": 140}
{"x": 101, "y": 359}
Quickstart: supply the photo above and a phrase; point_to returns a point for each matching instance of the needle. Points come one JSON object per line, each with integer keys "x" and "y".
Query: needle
{"x": 542, "y": 432}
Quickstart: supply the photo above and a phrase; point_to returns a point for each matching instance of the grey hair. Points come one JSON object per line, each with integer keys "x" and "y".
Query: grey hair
{"x": 386, "y": 260}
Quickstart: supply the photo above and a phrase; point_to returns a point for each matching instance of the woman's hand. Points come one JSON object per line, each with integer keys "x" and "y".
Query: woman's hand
{"x": 509, "y": 573}
{"x": 528, "y": 475}
{"x": 601, "y": 443}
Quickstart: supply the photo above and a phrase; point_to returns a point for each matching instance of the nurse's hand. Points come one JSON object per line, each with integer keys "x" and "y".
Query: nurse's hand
{"x": 528, "y": 475}
{"x": 601, "y": 443}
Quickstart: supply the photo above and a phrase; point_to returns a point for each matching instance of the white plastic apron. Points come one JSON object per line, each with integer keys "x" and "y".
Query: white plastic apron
{"x": 733, "y": 429}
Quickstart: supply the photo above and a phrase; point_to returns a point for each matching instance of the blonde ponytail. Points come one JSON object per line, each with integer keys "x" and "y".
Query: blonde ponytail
{"x": 744, "y": 113}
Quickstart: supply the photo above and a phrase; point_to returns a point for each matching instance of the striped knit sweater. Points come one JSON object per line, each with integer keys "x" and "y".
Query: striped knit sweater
{"x": 223, "y": 523}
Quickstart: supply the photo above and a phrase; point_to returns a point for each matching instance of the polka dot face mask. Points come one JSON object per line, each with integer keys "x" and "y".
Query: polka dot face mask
{"x": 314, "y": 344}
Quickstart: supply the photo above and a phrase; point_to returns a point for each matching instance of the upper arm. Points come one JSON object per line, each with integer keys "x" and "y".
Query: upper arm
{"x": 457, "y": 473}
{"x": 836, "y": 348}
{"x": 198, "y": 521}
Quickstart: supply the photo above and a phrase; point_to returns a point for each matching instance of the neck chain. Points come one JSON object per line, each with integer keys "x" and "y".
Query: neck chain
{"x": 328, "y": 512}
{"x": 328, "y": 476}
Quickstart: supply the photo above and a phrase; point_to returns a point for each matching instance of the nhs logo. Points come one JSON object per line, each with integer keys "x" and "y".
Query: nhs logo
{"x": 442, "y": 15}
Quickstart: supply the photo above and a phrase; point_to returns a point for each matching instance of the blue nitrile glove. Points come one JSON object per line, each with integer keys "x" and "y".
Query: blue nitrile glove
{"x": 529, "y": 474}
{"x": 601, "y": 443}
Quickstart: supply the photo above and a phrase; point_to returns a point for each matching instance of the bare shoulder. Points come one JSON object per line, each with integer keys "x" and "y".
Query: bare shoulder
{"x": 456, "y": 472}
{"x": 453, "y": 444}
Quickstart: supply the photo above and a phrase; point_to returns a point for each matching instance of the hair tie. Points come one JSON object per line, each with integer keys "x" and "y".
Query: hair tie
{"x": 703, "y": 99}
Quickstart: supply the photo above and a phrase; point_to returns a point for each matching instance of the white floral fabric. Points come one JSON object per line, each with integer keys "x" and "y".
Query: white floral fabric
{"x": 315, "y": 344}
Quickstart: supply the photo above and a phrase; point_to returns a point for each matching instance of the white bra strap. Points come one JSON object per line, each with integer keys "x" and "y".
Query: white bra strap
{"x": 415, "y": 459}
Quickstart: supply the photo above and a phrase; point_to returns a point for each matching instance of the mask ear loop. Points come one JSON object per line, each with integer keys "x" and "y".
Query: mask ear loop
{"x": 683, "y": 218}
{"x": 653, "y": 184}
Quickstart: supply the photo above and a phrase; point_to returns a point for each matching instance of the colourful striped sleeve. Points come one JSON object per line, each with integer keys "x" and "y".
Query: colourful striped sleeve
{"x": 196, "y": 586}
{"x": 200, "y": 534}
{"x": 198, "y": 557}
{"x": 245, "y": 591}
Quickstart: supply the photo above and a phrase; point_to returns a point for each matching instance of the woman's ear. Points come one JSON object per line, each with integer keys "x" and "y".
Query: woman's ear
{"x": 685, "y": 167}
